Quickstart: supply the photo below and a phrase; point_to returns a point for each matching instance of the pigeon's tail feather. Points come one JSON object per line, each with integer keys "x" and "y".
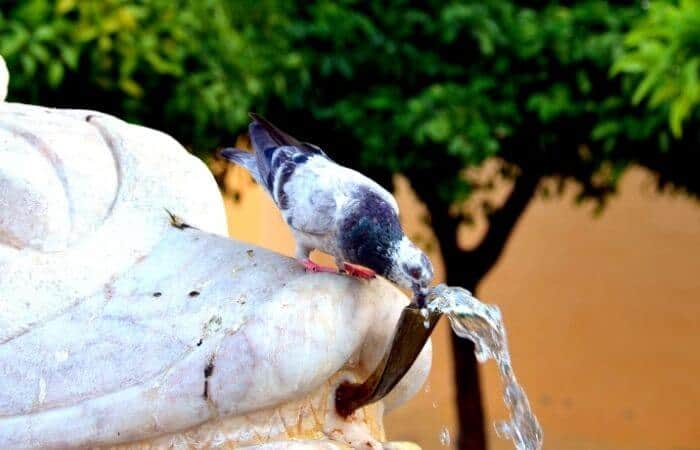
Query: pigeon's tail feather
{"x": 264, "y": 134}
{"x": 275, "y": 149}
{"x": 260, "y": 138}
{"x": 245, "y": 159}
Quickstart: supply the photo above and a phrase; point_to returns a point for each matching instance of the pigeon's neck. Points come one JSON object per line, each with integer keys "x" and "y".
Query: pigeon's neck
{"x": 403, "y": 253}
{"x": 405, "y": 250}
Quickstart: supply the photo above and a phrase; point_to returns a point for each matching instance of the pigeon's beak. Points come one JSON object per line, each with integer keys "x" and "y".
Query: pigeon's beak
{"x": 420, "y": 294}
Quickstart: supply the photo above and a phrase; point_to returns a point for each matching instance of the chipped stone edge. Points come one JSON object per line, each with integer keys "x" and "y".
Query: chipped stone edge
{"x": 4, "y": 79}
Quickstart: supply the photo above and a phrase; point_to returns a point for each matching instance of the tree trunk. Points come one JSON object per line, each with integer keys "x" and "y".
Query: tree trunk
{"x": 472, "y": 431}
{"x": 472, "y": 435}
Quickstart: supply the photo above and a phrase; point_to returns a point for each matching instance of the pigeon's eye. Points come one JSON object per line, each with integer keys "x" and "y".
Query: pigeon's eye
{"x": 415, "y": 272}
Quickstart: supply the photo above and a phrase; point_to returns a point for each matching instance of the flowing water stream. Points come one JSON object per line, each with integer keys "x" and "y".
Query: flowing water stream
{"x": 483, "y": 325}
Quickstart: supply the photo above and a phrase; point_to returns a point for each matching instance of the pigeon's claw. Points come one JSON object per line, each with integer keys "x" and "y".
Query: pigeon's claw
{"x": 311, "y": 266}
{"x": 359, "y": 271}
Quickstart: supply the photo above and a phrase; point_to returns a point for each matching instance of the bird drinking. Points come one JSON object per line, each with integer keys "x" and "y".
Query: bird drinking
{"x": 483, "y": 325}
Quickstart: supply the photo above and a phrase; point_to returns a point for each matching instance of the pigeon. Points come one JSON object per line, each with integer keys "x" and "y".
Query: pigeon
{"x": 333, "y": 209}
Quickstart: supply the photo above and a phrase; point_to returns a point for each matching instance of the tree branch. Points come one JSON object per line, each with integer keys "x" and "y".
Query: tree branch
{"x": 481, "y": 259}
{"x": 501, "y": 223}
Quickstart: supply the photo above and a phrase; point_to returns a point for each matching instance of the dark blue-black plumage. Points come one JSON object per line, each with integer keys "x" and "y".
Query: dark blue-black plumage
{"x": 369, "y": 230}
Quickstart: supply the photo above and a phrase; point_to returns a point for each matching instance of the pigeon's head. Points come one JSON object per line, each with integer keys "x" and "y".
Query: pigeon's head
{"x": 411, "y": 268}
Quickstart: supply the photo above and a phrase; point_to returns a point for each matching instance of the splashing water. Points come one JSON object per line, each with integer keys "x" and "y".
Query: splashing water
{"x": 482, "y": 324}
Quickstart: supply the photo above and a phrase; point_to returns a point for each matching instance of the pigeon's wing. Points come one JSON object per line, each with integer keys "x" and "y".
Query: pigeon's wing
{"x": 355, "y": 181}
{"x": 309, "y": 188}
{"x": 311, "y": 198}
{"x": 320, "y": 193}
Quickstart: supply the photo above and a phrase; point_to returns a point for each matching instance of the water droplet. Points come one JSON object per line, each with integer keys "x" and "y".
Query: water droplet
{"x": 435, "y": 404}
{"x": 445, "y": 436}
{"x": 427, "y": 388}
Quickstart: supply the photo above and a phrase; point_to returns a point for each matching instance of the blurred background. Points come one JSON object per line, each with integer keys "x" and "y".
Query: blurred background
{"x": 544, "y": 153}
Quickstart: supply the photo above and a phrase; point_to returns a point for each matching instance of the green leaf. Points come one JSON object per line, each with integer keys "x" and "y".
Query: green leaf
{"x": 647, "y": 84}
{"x": 604, "y": 130}
{"x": 39, "y": 52}
{"x": 131, "y": 87}
{"x": 70, "y": 56}
{"x": 64, "y": 6}
{"x": 28, "y": 64}
{"x": 13, "y": 43}
{"x": 679, "y": 111}
{"x": 54, "y": 73}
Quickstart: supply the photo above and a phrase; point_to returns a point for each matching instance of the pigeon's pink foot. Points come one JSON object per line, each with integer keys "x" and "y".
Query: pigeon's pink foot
{"x": 359, "y": 271}
{"x": 311, "y": 266}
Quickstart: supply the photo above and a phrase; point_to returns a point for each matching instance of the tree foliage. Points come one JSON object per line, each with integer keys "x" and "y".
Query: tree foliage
{"x": 191, "y": 68}
{"x": 662, "y": 51}
{"x": 459, "y": 81}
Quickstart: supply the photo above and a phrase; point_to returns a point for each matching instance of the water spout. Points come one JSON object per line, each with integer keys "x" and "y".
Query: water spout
{"x": 483, "y": 325}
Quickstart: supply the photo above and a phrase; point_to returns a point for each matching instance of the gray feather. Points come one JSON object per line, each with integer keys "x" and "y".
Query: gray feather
{"x": 245, "y": 159}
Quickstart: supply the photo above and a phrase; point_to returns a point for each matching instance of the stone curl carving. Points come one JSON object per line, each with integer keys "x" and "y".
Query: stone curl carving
{"x": 119, "y": 329}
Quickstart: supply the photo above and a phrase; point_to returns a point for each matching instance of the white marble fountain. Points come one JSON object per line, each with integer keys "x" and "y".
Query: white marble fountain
{"x": 118, "y": 329}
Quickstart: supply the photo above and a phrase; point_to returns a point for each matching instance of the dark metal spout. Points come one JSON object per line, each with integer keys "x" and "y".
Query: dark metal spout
{"x": 410, "y": 336}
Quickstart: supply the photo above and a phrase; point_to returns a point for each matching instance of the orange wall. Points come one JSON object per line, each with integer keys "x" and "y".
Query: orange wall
{"x": 603, "y": 317}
